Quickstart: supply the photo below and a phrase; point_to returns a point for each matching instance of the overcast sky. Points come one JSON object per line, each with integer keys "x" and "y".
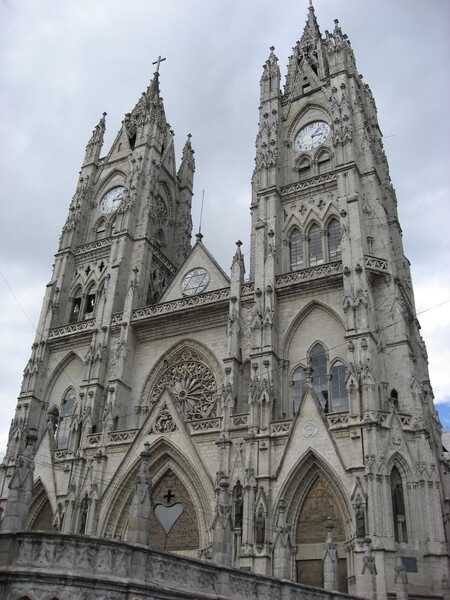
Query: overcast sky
{"x": 64, "y": 63}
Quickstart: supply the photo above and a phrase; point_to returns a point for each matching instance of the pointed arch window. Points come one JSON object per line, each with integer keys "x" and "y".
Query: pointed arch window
{"x": 89, "y": 306}
{"x": 318, "y": 359}
{"x": 334, "y": 239}
{"x": 398, "y": 507}
{"x": 238, "y": 505}
{"x": 315, "y": 245}
{"x": 296, "y": 251}
{"x": 304, "y": 168}
{"x": 298, "y": 380}
{"x": 65, "y": 418}
{"x": 338, "y": 390}
{"x": 76, "y": 307}
{"x": 323, "y": 162}
{"x": 100, "y": 231}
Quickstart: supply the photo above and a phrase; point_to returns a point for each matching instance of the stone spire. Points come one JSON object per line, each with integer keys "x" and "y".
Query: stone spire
{"x": 270, "y": 78}
{"x": 187, "y": 166}
{"x": 95, "y": 144}
{"x": 311, "y": 33}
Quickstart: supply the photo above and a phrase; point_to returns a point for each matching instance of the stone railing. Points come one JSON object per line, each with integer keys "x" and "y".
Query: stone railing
{"x": 303, "y": 185}
{"x": 204, "y": 425}
{"x": 71, "y": 329}
{"x": 378, "y": 265}
{"x": 121, "y": 437}
{"x": 95, "y": 245}
{"x": 240, "y": 420}
{"x": 181, "y": 304}
{"x": 280, "y": 427}
{"x": 45, "y": 565}
{"x": 309, "y": 274}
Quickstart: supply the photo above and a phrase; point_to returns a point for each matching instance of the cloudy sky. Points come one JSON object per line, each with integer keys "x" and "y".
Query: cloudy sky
{"x": 63, "y": 63}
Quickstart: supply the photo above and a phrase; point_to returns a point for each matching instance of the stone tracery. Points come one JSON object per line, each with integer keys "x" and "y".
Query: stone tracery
{"x": 191, "y": 383}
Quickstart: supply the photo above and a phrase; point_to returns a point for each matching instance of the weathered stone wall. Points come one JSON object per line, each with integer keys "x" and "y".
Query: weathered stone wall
{"x": 37, "y": 566}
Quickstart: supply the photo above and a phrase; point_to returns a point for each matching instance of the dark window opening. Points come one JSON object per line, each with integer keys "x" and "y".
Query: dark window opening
{"x": 315, "y": 245}
{"x": 398, "y": 507}
{"x": 75, "y": 312}
{"x": 90, "y": 304}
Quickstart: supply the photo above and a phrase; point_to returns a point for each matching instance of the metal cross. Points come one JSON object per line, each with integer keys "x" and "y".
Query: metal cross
{"x": 158, "y": 62}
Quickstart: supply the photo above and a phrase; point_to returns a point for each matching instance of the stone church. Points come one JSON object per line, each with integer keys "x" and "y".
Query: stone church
{"x": 275, "y": 418}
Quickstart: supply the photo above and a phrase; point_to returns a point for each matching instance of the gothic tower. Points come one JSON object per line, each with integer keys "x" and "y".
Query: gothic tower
{"x": 282, "y": 424}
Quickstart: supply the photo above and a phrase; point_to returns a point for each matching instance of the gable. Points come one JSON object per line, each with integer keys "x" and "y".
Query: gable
{"x": 199, "y": 258}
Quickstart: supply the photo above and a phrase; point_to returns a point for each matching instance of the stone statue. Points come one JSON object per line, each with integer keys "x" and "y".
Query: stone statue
{"x": 141, "y": 505}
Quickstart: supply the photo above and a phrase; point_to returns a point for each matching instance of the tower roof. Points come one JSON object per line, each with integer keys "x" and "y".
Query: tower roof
{"x": 311, "y": 32}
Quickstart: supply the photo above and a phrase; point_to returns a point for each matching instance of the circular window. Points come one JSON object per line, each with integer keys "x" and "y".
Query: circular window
{"x": 195, "y": 282}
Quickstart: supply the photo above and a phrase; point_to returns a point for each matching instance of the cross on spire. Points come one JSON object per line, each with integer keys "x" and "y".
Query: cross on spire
{"x": 157, "y": 62}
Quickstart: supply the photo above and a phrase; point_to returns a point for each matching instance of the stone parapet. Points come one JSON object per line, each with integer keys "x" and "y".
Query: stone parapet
{"x": 45, "y": 565}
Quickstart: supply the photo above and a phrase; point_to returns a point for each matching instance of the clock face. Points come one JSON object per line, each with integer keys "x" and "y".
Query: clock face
{"x": 195, "y": 282}
{"x": 311, "y": 136}
{"x": 112, "y": 199}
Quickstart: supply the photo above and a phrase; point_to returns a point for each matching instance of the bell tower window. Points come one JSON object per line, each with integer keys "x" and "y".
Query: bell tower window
{"x": 76, "y": 307}
{"x": 318, "y": 359}
{"x": 90, "y": 303}
{"x": 334, "y": 239}
{"x": 315, "y": 245}
{"x": 296, "y": 253}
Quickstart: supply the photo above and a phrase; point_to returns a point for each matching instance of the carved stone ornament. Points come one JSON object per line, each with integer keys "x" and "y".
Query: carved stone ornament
{"x": 164, "y": 422}
{"x": 191, "y": 384}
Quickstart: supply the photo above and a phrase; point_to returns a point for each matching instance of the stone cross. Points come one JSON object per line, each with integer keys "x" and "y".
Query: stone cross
{"x": 158, "y": 62}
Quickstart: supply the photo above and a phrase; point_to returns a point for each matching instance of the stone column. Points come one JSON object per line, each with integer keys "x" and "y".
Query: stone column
{"x": 20, "y": 488}
{"x": 282, "y": 551}
{"x": 141, "y": 504}
{"x": 222, "y": 526}
{"x": 330, "y": 561}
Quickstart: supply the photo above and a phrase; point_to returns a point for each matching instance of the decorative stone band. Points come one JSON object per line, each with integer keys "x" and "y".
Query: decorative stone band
{"x": 378, "y": 265}
{"x": 309, "y": 274}
{"x": 344, "y": 420}
{"x": 36, "y": 565}
{"x": 205, "y": 425}
{"x": 238, "y": 421}
{"x": 96, "y": 245}
{"x": 122, "y": 437}
{"x": 181, "y": 304}
{"x": 111, "y": 437}
{"x": 71, "y": 329}
{"x": 280, "y": 427}
{"x": 303, "y": 185}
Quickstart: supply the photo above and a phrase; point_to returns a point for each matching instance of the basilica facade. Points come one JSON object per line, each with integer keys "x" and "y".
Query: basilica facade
{"x": 277, "y": 418}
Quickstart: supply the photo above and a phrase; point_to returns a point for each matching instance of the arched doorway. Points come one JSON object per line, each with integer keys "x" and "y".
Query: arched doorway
{"x": 319, "y": 513}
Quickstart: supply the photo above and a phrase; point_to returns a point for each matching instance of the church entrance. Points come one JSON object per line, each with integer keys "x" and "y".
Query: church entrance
{"x": 320, "y": 513}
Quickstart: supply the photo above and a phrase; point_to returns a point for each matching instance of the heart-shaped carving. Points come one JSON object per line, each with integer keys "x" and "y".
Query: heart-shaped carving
{"x": 168, "y": 515}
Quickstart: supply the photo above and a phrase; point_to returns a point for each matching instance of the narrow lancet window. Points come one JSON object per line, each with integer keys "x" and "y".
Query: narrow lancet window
{"x": 398, "y": 507}
{"x": 315, "y": 245}
{"x": 334, "y": 239}
{"x": 296, "y": 253}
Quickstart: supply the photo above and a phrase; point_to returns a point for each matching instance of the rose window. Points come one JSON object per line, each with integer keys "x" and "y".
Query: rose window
{"x": 191, "y": 384}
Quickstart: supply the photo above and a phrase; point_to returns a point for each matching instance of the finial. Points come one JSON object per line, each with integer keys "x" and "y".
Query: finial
{"x": 272, "y": 48}
{"x": 189, "y": 136}
{"x": 104, "y": 114}
{"x": 199, "y": 236}
{"x": 311, "y": 4}
{"x": 239, "y": 243}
